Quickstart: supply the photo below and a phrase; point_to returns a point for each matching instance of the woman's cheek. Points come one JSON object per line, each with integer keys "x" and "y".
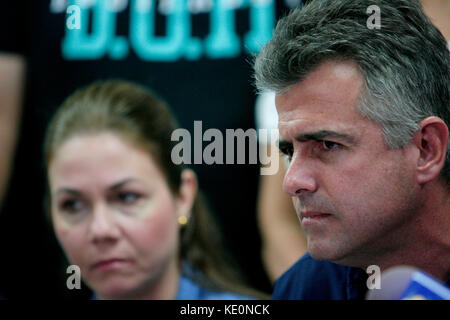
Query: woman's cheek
{"x": 157, "y": 230}
{"x": 73, "y": 243}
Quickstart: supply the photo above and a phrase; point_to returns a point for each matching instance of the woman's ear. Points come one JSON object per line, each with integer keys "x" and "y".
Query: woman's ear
{"x": 187, "y": 193}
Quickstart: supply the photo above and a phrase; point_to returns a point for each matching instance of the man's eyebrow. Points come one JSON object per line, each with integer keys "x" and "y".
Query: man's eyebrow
{"x": 322, "y": 134}
{"x": 317, "y": 136}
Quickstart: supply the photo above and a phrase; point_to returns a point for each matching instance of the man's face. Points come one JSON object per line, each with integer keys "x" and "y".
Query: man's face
{"x": 353, "y": 195}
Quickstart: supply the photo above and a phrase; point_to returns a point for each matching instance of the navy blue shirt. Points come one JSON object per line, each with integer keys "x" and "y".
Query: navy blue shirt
{"x": 310, "y": 279}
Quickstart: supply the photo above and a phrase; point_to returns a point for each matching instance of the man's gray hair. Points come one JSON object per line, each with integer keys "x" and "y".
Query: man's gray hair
{"x": 405, "y": 63}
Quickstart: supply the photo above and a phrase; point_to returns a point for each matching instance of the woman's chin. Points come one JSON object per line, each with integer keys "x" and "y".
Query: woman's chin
{"x": 114, "y": 290}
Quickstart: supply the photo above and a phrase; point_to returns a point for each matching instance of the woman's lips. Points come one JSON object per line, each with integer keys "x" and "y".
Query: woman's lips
{"x": 110, "y": 264}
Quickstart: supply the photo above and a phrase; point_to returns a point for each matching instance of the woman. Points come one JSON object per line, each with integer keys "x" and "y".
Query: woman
{"x": 122, "y": 211}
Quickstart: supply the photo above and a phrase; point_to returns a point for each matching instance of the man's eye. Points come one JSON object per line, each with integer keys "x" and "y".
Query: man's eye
{"x": 128, "y": 197}
{"x": 329, "y": 145}
{"x": 287, "y": 151}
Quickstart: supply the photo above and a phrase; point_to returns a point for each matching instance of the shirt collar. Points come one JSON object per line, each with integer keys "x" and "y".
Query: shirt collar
{"x": 356, "y": 281}
{"x": 188, "y": 289}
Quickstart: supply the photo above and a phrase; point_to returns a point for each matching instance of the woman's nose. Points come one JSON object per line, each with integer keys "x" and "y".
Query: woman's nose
{"x": 103, "y": 225}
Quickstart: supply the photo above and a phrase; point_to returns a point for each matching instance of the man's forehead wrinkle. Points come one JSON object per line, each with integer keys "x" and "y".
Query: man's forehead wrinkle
{"x": 290, "y": 129}
{"x": 294, "y": 128}
{"x": 296, "y": 114}
{"x": 322, "y": 107}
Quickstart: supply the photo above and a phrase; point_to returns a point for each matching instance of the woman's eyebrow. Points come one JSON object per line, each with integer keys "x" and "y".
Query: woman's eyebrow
{"x": 69, "y": 190}
{"x": 123, "y": 182}
{"x": 113, "y": 187}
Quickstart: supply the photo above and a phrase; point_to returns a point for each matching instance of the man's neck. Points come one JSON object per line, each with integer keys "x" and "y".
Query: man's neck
{"x": 425, "y": 241}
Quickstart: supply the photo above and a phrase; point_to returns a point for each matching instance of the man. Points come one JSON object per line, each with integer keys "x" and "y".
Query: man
{"x": 364, "y": 119}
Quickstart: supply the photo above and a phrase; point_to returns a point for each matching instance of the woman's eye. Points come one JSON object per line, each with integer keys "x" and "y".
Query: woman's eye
{"x": 329, "y": 145}
{"x": 72, "y": 206}
{"x": 128, "y": 197}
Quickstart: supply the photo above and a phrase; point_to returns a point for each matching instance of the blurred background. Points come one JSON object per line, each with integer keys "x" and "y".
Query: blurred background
{"x": 196, "y": 54}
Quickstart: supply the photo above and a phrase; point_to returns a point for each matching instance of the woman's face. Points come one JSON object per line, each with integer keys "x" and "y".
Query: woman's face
{"x": 114, "y": 214}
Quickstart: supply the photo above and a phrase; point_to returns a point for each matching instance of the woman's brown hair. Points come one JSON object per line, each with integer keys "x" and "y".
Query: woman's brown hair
{"x": 142, "y": 118}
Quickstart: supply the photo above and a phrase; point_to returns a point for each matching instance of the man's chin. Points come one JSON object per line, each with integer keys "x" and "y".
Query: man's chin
{"x": 320, "y": 256}
{"x": 326, "y": 254}
{"x": 341, "y": 259}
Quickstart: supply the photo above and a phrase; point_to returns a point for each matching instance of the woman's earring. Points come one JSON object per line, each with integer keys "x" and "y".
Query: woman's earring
{"x": 182, "y": 220}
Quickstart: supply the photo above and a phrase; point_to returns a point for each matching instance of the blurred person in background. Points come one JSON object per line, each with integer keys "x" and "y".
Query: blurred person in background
{"x": 192, "y": 52}
{"x": 123, "y": 212}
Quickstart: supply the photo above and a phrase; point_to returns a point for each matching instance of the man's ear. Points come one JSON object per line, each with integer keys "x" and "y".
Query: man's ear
{"x": 431, "y": 141}
{"x": 187, "y": 193}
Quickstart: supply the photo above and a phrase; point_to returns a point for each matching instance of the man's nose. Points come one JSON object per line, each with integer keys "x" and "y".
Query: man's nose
{"x": 103, "y": 226}
{"x": 300, "y": 177}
